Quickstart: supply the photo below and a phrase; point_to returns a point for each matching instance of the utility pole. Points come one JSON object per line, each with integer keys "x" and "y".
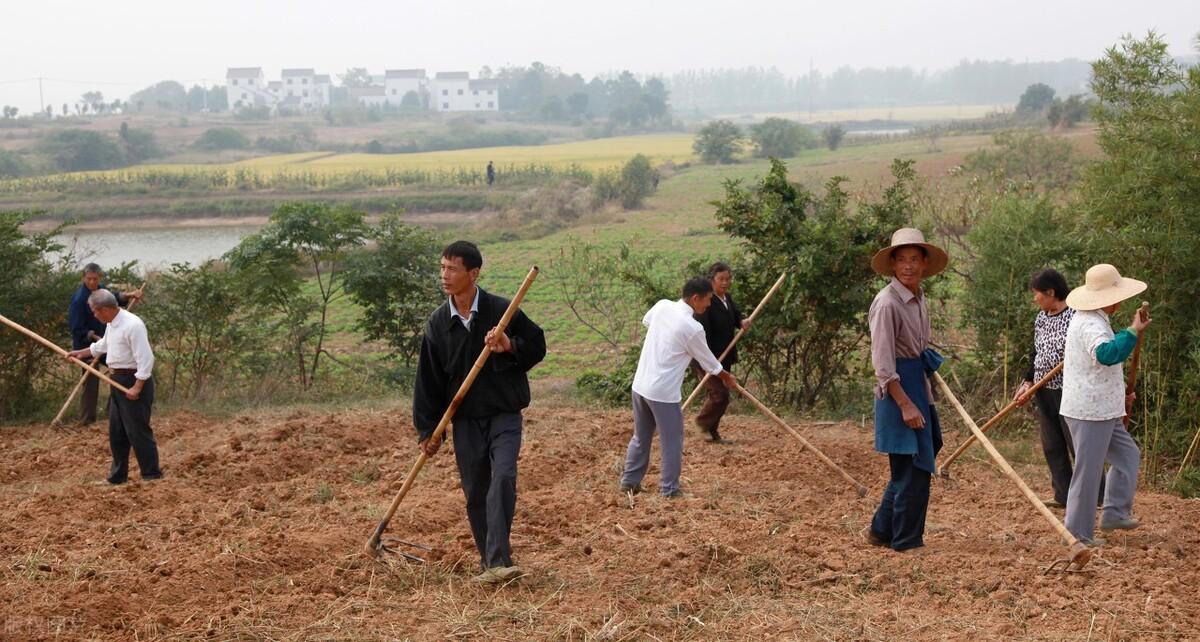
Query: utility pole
{"x": 41, "y": 96}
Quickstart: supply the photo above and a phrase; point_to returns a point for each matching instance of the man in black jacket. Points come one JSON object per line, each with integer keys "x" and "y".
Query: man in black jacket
{"x": 721, "y": 323}
{"x": 487, "y": 426}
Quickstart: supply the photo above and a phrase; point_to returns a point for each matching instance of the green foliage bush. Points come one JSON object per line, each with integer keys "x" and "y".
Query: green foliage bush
{"x": 718, "y": 142}
{"x": 220, "y": 138}
{"x": 780, "y": 138}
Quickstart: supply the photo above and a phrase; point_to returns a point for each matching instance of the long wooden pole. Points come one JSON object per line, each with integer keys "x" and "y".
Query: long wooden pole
{"x": 374, "y": 545}
{"x": 1079, "y": 552}
{"x": 49, "y": 344}
{"x": 1131, "y": 384}
{"x": 858, "y": 486}
{"x": 1000, "y": 415}
{"x": 740, "y": 332}
{"x": 79, "y": 386}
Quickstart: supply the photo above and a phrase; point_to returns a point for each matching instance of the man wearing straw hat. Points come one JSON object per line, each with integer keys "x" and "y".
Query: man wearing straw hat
{"x": 488, "y": 424}
{"x": 131, "y": 361}
{"x": 906, "y": 422}
{"x": 1094, "y": 402}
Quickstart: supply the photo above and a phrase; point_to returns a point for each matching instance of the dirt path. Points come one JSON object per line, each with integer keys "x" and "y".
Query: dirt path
{"x": 256, "y": 532}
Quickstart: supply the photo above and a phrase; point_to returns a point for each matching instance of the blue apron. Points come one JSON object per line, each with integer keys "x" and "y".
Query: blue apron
{"x": 892, "y": 435}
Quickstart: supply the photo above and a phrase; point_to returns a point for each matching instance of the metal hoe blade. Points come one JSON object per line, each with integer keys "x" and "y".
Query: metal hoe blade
{"x": 392, "y": 545}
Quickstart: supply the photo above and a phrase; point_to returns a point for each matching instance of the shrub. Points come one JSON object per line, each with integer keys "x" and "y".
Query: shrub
{"x": 219, "y": 138}
{"x": 75, "y": 150}
{"x": 718, "y": 142}
{"x": 780, "y": 138}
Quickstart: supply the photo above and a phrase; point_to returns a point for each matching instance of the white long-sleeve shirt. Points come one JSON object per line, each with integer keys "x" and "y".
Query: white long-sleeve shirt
{"x": 127, "y": 345}
{"x": 674, "y": 338}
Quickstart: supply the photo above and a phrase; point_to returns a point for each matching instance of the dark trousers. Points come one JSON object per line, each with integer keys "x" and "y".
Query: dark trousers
{"x": 129, "y": 426}
{"x": 89, "y": 397}
{"x": 900, "y": 519}
{"x": 486, "y": 451}
{"x": 716, "y": 401}
{"x": 1056, "y": 442}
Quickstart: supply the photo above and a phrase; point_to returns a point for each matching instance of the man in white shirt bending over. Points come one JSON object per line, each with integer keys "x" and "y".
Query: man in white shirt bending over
{"x": 131, "y": 362}
{"x": 673, "y": 340}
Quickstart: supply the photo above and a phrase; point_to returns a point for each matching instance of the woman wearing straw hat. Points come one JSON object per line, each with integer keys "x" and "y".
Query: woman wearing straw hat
{"x": 906, "y": 422}
{"x": 1093, "y": 402}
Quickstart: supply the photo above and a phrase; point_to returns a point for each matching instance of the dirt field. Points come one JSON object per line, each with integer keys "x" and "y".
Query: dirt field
{"x": 257, "y": 531}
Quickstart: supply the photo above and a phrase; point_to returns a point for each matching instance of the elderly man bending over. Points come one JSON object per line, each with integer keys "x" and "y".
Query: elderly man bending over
{"x": 131, "y": 361}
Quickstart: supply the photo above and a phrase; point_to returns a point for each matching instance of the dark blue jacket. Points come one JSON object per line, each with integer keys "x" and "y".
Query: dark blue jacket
{"x": 81, "y": 320}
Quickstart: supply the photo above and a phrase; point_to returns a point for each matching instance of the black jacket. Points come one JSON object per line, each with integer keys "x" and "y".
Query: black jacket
{"x": 448, "y": 350}
{"x": 721, "y": 323}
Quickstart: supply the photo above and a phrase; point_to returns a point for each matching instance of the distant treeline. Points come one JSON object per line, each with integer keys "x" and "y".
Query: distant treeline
{"x": 970, "y": 82}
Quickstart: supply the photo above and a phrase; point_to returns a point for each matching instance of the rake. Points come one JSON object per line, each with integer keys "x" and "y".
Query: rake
{"x": 1078, "y": 554}
{"x": 376, "y": 544}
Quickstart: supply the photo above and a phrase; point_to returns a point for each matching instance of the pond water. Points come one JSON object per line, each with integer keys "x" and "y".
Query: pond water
{"x": 154, "y": 247}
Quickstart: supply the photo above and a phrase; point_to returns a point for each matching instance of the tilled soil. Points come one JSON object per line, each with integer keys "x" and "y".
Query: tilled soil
{"x": 257, "y": 532}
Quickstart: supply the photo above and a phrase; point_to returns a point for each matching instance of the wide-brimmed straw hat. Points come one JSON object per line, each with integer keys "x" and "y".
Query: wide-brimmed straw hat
{"x": 936, "y": 256}
{"x": 1103, "y": 286}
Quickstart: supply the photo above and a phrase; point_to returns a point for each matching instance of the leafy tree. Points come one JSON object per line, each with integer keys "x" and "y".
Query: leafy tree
{"x": 137, "y": 144}
{"x": 718, "y": 142}
{"x": 1037, "y": 97}
{"x": 217, "y": 138}
{"x": 37, "y": 288}
{"x": 396, "y": 284}
{"x": 809, "y": 343}
{"x": 300, "y": 238}
{"x": 780, "y": 138}
{"x": 166, "y": 95}
{"x": 12, "y": 165}
{"x": 411, "y": 100}
{"x": 1139, "y": 201}
{"x": 355, "y": 77}
{"x": 202, "y": 327}
{"x": 93, "y": 99}
{"x": 1027, "y": 159}
{"x": 638, "y": 179}
{"x": 74, "y": 150}
{"x": 1068, "y": 113}
{"x": 833, "y": 136}
{"x": 577, "y": 103}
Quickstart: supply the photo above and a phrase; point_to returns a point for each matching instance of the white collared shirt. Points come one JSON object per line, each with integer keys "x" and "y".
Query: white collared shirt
{"x": 674, "y": 338}
{"x": 474, "y": 310}
{"x": 127, "y": 345}
{"x": 1091, "y": 390}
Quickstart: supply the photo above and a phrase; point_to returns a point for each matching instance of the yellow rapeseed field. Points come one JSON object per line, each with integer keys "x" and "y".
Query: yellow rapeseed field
{"x": 590, "y": 154}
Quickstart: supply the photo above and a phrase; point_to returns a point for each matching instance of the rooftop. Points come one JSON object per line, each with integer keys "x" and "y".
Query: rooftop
{"x": 243, "y": 72}
{"x": 404, "y": 73}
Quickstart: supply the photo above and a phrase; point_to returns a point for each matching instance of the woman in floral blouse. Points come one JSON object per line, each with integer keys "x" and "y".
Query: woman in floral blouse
{"x": 1049, "y": 338}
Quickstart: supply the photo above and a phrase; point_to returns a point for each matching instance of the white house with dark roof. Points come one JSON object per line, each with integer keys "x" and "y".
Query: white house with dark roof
{"x": 368, "y": 96}
{"x": 246, "y": 87}
{"x": 451, "y": 91}
{"x": 397, "y": 83}
{"x": 299, "y": 90}
{"x": 485, "y": 94}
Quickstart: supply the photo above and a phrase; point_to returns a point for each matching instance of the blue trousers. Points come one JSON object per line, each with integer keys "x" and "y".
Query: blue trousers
{"x": 900, "y": 518}
{"x": 486, "y": 451}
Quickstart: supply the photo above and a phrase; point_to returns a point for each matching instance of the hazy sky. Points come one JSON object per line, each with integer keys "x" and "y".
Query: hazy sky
{"x": 120, "y": 46}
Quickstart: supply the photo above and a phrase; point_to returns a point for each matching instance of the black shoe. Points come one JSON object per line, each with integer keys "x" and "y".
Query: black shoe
{"x": 153, "y": 477}
{"x": 631, "y": 488}
{"x": 714, "y": 437}
{"x": 675, "y": 494}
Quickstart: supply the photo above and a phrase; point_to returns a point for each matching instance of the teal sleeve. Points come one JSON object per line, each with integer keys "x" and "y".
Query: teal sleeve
{"x": 1117, "y": 350}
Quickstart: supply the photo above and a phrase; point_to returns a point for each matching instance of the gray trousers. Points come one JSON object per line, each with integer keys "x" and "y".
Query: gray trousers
{"x": 648, "y": 416}
{"x": 486, "y": 450}
{"x": 1096, "y": 442}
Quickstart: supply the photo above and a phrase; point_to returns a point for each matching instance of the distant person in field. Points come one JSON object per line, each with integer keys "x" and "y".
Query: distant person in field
{"x": 673, "y": 340}
{"x": 1050, "y": 289}
{"x": 488, "y": 424}
{"x": 906, "y": 422}
{"x": 1095, "y": 402}
{"x": 86, "y": 329}
{"x": 131, "y": 364}
{"x": 491, "y": 173}
{"x": 721, "y": 322}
